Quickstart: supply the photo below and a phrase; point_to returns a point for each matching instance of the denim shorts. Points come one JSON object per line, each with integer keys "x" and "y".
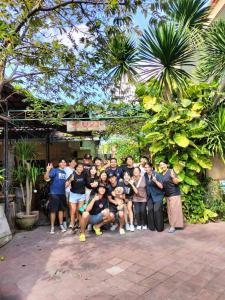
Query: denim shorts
{"x": 76, "y": 198}
{"x": 95, "y": 219}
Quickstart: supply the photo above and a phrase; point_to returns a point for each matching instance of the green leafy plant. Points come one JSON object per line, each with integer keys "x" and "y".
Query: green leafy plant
{"x": 193, "y": 14}
{"x": 26, "y": 172}
{"x": 177, "y": 132}
{"x": 164, "y": 51}
{"x": 216, "y": 138}
{"x": 195, "y": 209}
{"x": 1, "y": 177}
{"x": 212, "y": 62}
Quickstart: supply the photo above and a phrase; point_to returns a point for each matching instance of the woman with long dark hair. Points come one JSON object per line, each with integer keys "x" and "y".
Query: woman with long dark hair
{"x": 77, "y": 183}
{"x": 140, "y": 199}
{"x": 91, "y": 182}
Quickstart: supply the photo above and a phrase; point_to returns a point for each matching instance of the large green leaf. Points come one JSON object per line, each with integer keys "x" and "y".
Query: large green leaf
{"x": 191, "y": 180}
{"x": 203, "y": 161}
{"x": 149, "y": 102}
{"x": 159, "y": 158}
{"x": 184, "y": 156}
{"x": 173, "y": 158}
{"x": 156, "y": 147}
{"x": 197, "y": 106}
{"x": 197, "y": 126}
{"x": 181, "y": 140}
{"x": 157, "y": 107}
{"x": 185, "y": 188}
{"x": 186, "y": 102}
{"x": 192, "y": 165}
{"x": 179, "y": 166}
{"x": 154, "y": 136}
{"x": 193, "y": 114}
{"x": 181, "y": 175}
{"x": 173, "y": 119}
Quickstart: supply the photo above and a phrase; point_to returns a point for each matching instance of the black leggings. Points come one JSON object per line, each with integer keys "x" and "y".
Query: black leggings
{"x": 140, "y": 213}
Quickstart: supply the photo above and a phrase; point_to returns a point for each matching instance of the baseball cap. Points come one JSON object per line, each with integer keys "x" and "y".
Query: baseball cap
{"x": 87, "y": 156}
{"x": 102, "y": 185}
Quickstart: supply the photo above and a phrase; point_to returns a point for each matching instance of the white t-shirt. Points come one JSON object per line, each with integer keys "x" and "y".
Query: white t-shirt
{"x": 68, "y": 172}
{"x": 142, "y": 170}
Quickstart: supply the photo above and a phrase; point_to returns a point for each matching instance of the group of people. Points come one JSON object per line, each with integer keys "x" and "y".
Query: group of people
{"x": 94, "y": 193}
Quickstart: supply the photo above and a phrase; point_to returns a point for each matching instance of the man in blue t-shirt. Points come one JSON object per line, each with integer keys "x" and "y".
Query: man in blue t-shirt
{"x": 57, "y": 201}
{"x": 114, "y": 170}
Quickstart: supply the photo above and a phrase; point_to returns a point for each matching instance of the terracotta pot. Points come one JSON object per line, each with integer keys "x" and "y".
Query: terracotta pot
{"x": 27, "y": 222}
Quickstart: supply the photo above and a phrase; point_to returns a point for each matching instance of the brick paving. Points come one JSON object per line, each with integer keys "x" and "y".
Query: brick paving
{"x": 189, "y": 264}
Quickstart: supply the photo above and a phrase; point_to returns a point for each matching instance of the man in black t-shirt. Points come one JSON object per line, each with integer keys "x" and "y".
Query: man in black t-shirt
{"x": 113, "y": 204}
{"x": 97, "y": 213}
{"x": 87, "y": 162}
{"x": 129, "y": 167}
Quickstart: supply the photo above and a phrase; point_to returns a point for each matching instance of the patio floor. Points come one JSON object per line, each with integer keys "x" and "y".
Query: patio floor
{"x": 189, "y": 264}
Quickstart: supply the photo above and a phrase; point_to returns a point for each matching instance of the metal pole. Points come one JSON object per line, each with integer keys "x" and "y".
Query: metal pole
{"x": 47, "y": 149}
{"x": 6, "y": 165}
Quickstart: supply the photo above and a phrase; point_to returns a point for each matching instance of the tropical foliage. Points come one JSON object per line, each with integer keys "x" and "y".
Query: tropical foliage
{"x": 216, "y": 130}
{"x": 164, "y": 52}
{"x": 179, "y": 132}
{"x": 193, "y": 14}
{"x": 53, "y": 46}
{"x": 212, "y": 63}
{"x": 26, "y": 173}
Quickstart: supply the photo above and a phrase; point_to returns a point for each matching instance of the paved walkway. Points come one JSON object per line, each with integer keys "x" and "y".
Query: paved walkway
{"x": 189, "y": 264}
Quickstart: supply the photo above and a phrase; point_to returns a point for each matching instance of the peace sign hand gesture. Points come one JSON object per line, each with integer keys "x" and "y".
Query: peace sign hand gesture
{"x": 49, "y": 167}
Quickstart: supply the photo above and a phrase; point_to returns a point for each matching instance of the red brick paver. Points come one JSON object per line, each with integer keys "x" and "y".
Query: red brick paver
{"x": 189, "y": 264}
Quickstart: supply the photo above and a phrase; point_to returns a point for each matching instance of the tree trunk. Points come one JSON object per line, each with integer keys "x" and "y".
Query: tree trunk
{"x": 28, "y": 196}
{"x": 23, "y": 196}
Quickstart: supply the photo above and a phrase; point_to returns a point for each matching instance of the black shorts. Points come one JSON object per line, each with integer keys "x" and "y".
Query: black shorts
{"x": 57, "y": 203}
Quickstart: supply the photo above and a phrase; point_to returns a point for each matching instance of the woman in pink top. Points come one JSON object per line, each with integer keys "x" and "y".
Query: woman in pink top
{"x": 140, "y": 199}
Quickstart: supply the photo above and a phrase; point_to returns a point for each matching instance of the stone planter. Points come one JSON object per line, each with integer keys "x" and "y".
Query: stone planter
{"x": 27, "y": 222}
{"x": 12, "y": 210}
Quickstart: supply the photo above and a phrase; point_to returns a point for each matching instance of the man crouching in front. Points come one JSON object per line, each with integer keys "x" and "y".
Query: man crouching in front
{"x": 96, "y": 213}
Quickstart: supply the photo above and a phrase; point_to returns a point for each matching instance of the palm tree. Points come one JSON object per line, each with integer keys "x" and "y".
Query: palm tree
{"x": 164, "y": 51}
{"x": 212, "y": 63}
{"x": 121, "y": 57}
{"x": 191, "y": 13}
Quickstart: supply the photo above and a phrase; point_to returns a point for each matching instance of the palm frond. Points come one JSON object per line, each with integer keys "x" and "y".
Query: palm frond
{"x": 191, "y": 13}
{"x": 164, "y": 52}
{"x": 212, "y": 64}
{"x": 122, "y": 57}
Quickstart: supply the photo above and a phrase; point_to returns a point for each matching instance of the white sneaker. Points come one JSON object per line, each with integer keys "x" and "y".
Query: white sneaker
{"x": 89, "y": 228}
{"x": 127, "y": 227}
{"x": 138, "y": 227}
{"x": 144, "y": 227}
{"x": 62, "y": 228}
{"x": 52, "y": 231}
{"x": 65, "y": 224}
{"x": 122, "y": 231}
{"x": 113, "y": 227}
{"x": 132, "y": 228}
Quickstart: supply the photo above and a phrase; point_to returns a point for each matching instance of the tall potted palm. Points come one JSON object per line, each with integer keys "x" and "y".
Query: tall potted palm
{"x": 26, "y": 174}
